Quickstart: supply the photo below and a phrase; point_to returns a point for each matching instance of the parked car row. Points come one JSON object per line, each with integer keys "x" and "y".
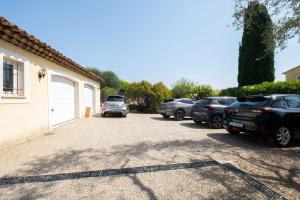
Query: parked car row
{"x": 276, "y": 117}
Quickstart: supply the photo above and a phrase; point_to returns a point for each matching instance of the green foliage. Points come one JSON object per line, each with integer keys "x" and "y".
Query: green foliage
{"x": 161, "y": 93}
{"x": 139, "y": 91}
{"x": 256, "y": 55}
{"x": 183, "y": 89}
{"x": 201, "y": 91}
{"x": 147, "y": 97}
{"x": 286, "y": 13}
{"x": 95, "y": 70}
{"x": 107, "y": 91}
{"x": 188, "y": 89}
{"x": 123, "y": 87}
{"x": 284, "y": 87}
{"x": 110, "y": 78}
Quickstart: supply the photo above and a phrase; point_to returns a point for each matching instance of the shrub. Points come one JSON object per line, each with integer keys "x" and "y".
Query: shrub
{"x": 183, "y": 89}
{"x": 188, "y": 89}
{"x": 145, "y": 97}
{"x": 160, "y": 93}
{"x": 282, "y": 87}
{"x": 201, "y": 91}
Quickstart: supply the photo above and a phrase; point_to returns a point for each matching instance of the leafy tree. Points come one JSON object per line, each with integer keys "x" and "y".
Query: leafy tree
{"x": 161, "y": 93}
{"x": 107, "y": 91}
{"x": 95, "y": 71}
{"x": 286, "y": 15}
{"x": 123, "y": 87}
{"x": 256, "y": 59}
{"x": 139, "y": 91}
{"x": 110, "y": 78}
{"x": 183, "y": 89}
{"x": 146, "y": 96}
{"x": 201, "y": 91}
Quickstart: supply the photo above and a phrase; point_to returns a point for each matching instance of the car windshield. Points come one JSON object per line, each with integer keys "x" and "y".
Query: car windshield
{"x": 115, "y": 98}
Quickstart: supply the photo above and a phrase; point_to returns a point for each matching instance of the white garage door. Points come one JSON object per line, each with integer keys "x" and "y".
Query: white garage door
{"x": 62, "y": 100}
{"x": 88, "y": 96}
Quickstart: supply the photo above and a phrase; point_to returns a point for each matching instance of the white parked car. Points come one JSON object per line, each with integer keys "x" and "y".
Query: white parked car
{"x": 115, "y": 105}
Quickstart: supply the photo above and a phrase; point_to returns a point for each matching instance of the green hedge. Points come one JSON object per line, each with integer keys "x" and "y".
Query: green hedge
{"x": 283, "y": 87}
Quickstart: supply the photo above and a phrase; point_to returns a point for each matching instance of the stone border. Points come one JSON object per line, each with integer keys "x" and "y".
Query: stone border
{"x": 258, "y": 186}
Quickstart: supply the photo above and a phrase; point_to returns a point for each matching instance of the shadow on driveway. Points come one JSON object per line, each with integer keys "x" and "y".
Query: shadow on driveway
{"x": 169, "y": 119}
{"x": 196, "y": 126}
{"x": 262, "y": 162}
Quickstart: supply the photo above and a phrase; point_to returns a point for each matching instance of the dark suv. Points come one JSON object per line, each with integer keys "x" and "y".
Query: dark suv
{"x": 275, "y": 116}
{"x": 211, "y": 110}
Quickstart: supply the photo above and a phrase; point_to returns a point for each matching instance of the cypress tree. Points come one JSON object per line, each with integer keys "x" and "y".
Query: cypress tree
{"x": 256, "y": 53}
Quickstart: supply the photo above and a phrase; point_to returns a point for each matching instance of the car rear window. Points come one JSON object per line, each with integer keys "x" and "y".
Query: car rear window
{"x": 115, "y": 98}
{"x": 204, "y": 101}
{"x": 251, "y": 101}
{"x": 227, "y": 101}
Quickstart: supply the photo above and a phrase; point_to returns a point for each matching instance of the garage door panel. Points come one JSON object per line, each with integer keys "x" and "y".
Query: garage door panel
{"x": 62, "y": 100}
{"x": 88, "y": 96}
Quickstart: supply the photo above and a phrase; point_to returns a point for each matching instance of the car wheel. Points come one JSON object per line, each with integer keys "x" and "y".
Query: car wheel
{"x": 233, "y": 131}
{"x": 103, "y": 114}
{"x": 197, "y": 121}
{"x": 166, "y": 116}
{"x": 124, "y": 116}
{"x": 217, "y": 122}
{"x": 283, "y": 136}
{"x": 179, "y": 114}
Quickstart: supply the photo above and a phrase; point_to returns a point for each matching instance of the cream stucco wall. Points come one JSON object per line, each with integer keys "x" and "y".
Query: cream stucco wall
{"x": 22, "y": 118}
{"x": 292, "y": 74}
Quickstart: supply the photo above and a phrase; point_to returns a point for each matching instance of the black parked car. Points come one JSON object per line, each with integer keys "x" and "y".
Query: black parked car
{"x": 211, "y": 110}
{"x": 274, "y": 116}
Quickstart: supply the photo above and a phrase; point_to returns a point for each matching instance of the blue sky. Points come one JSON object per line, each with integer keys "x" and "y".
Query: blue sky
{"x": 154, "y": 40}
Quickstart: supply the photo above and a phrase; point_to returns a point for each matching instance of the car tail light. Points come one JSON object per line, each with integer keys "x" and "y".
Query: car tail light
{"x": 268, "y": 109}
{"x": 257, "y": 110}
{"x": 209, "y": 107}
{"x": 104, "y": 105}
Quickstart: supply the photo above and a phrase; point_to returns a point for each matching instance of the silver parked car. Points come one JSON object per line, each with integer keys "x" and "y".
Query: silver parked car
{"x": 115, "y": 105}
{"x": 179, "y": 108}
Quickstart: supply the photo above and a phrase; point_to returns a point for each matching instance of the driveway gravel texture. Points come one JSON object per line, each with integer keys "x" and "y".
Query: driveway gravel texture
{"x": 145, "y": 156}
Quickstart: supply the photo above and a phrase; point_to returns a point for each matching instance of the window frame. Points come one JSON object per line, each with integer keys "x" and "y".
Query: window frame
{"x": 288, "y": 106}
{"x": 14, "y": 99}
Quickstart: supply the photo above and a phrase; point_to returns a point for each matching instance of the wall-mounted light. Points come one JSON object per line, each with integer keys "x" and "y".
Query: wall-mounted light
{"x": 42, "y": 73}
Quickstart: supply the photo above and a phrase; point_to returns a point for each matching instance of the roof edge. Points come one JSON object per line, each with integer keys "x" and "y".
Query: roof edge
{"x": 290, "y": 69}
{"x": 16, "y": 36}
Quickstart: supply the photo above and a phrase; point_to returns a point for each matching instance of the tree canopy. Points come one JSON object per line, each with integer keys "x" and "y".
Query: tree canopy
{"x": 285, "y": 15}
{"x": 183, "y": 88}
{"x": 256, "y": 59}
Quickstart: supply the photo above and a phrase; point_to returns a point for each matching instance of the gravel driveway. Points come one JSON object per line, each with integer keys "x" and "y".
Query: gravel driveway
{"x": 147, "y": 157}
